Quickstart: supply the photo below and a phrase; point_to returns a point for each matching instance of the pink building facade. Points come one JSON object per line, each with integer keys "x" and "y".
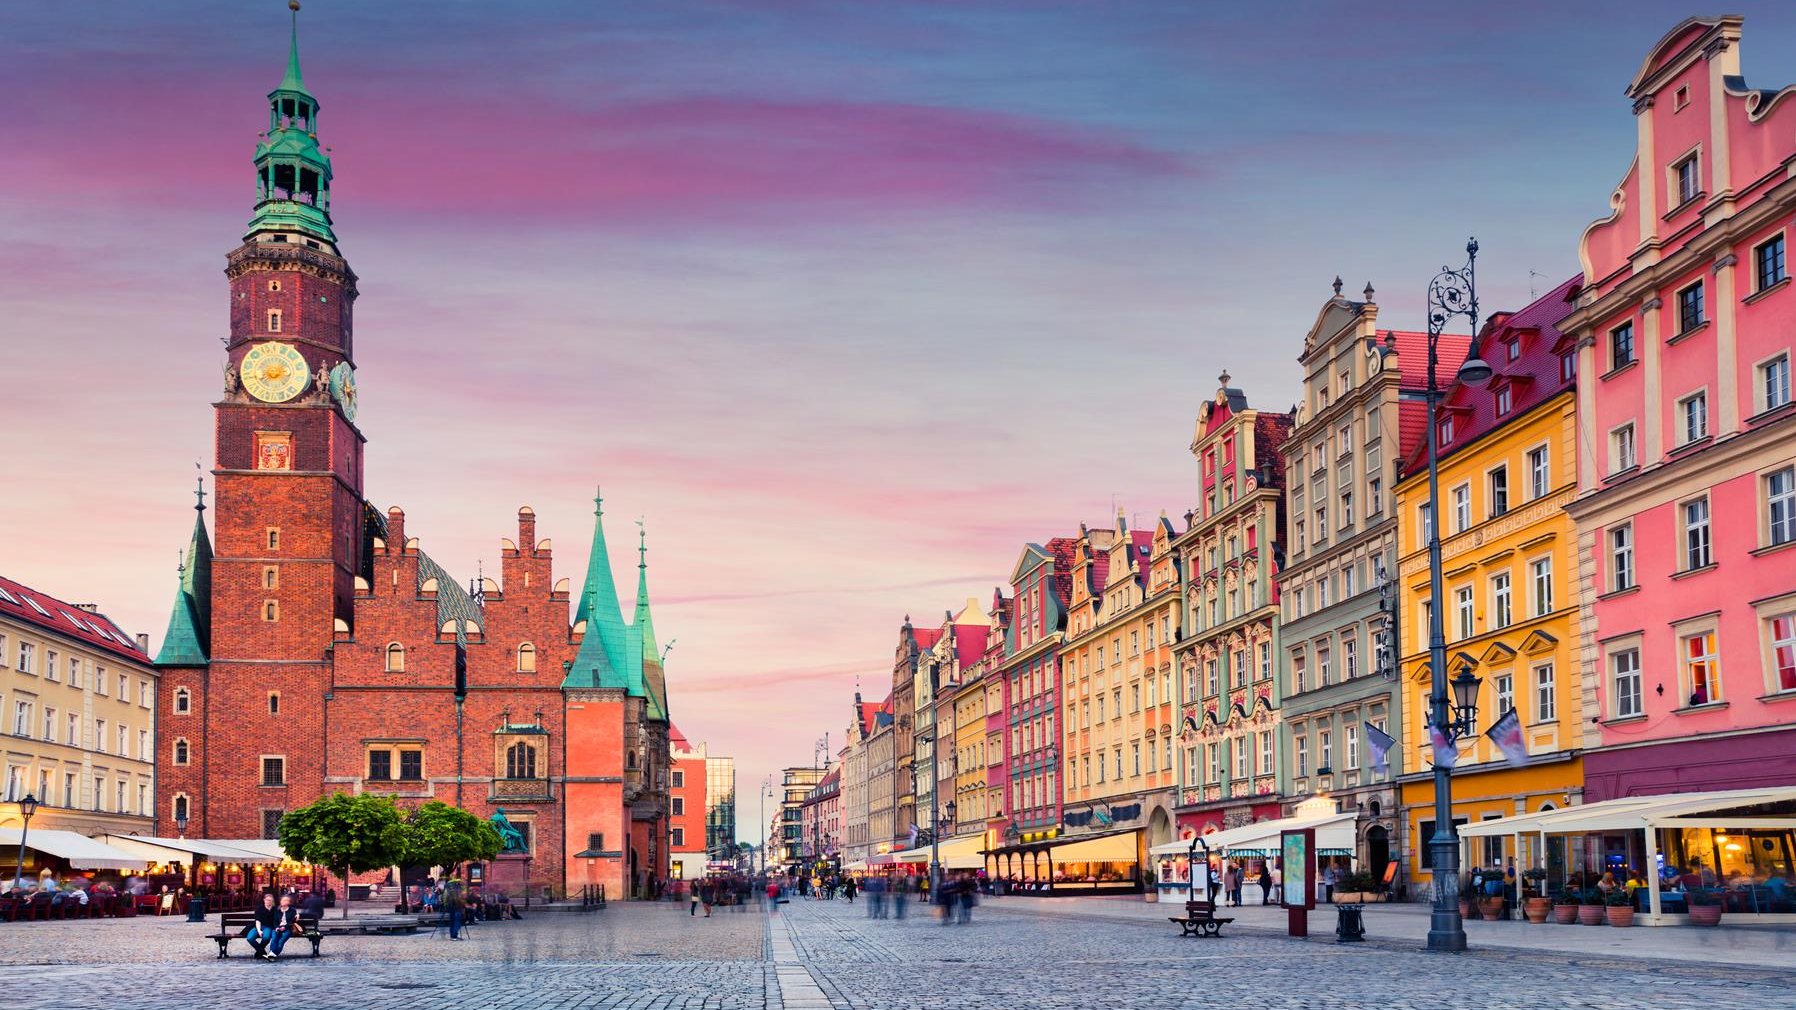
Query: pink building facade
{"x": 1041, "y": 581}
{"x": 1686, "y": 507}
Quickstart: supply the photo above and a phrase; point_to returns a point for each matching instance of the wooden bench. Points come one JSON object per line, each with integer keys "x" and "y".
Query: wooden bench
{"x": 1200, "y": 919}
{"x": 232, "y": 926}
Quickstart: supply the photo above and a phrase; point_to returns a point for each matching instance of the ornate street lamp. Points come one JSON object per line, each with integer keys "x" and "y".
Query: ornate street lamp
{"x": 1451, "y": 294}
{"x": 27, "y": 807}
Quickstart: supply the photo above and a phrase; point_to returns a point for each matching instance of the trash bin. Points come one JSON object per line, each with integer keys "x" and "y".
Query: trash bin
{"x": 1350, "y": 925}
{"x": 196, "y": 910}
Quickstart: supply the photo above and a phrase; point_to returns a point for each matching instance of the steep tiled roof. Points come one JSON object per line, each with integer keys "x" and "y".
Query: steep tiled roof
{"x": 1533, "y": 378}
{"x": 926, "y": 637}
{"x": 870, "y": 714}
{"x": 20, "y": 601}
{"x": 1412, "y": 371}
{"x": 1064, "y": 550}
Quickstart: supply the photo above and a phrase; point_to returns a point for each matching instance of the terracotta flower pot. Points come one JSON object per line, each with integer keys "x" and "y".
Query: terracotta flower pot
{"x": 1465, "y": 908}
{"x": 1705, "y": 915}
{"x": 1590, "y": 915}
{"x": 1490, "y": 908}
{"x": 1537, "y": 909}
{"x": 1621, "y": 915}
{"x": 1565, "y": 915}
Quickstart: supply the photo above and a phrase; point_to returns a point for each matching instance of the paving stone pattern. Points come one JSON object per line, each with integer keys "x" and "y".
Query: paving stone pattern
{"x": 830, "y": 956}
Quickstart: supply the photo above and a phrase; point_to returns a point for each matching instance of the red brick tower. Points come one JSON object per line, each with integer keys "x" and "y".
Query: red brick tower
{"x": 288, "y": 524}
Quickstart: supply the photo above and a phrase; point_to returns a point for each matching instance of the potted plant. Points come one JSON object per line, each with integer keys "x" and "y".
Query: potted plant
{"x": 1537, "y": 906}
{"x": 1590, "y": 907}
{"x": 1151, "y": 889}
{"x": 1705, "y": 907}
{"x": 1620, "y": 907}
{"x": 1357, "y": 888}
{"x": 1565, "y": 907}
{"x": 1490, "y": 906}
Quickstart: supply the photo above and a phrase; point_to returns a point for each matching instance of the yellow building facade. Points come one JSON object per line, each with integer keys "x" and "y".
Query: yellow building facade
{"x": 1508, "y": 467}
{"x": 78, "y": 696}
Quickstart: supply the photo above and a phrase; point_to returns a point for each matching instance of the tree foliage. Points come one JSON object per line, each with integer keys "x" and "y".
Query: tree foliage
{"x": 437, "y": 834}
{"x": 344, "y": 832}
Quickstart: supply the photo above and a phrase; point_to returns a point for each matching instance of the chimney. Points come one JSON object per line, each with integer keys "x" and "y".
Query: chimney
{"x": 92, "y": 608}
{"x": 396, "y": 529}
{"x": 143, "y": 643}
{"x": 526, "y": 531}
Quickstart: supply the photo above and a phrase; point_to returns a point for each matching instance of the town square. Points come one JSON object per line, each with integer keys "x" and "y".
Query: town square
{"x": 1063, "y": 505}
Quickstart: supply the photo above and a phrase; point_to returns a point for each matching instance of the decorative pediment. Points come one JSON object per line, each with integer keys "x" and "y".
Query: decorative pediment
{"x": 1421, "y": 674}
{"x": 1497, "y": 654}
{"x": 1538, "y": 642}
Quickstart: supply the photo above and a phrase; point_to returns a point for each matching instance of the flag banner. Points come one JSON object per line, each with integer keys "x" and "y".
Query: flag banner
{"x": 1446, "y": 755}
{"x": 1381, "y": 743}
{"x": 1506, "y": 733}
{"x": 1127, "y": 813}
{"x": 914, "y": 832}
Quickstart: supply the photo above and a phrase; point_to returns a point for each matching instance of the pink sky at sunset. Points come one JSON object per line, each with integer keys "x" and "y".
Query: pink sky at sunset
{"x": 846, "y": 301}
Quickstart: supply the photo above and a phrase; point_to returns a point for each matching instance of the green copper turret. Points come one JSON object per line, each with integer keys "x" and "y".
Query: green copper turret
{"x": 293, "y": 174}
{"x": 188, "y": 639}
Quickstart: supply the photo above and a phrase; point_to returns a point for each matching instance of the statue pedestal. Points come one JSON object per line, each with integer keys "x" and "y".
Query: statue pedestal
{"x": 508, "y": 872}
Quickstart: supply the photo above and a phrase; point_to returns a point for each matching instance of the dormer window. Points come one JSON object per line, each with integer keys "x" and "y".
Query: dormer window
{"x": 1504, "y": 401}
{"x": 1515, "y": 349}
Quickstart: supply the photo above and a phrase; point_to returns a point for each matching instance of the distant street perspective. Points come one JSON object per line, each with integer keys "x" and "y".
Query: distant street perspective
{"x": 830, "y": 955}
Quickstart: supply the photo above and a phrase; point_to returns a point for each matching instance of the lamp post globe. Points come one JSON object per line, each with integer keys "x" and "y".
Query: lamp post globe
{"x": 27, "y": 807}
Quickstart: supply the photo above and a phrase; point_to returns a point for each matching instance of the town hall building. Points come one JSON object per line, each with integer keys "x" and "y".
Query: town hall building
{"x": 314, "y": 647}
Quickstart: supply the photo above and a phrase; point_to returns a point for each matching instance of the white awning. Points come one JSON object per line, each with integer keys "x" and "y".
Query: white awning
{"x": 855, "y": 867}
{"x": 1333, "y": 831}
{"x": 185, "y": 850}
{"x": 964, "y": 853}
{"x": 1637, "y": 813}
{"x": 82, "y": 852}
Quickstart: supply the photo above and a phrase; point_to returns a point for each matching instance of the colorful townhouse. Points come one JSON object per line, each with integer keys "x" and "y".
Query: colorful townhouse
{"x": 1121, "y": 707}
{"x": 968, "y": 784}
{"x": 1508, "y": 468}
{"x": 1041, "y": 584}
{"x": 1229, "y": 555}
{"x": 1348, "y": 439}
{"x": 1686, "y": 498}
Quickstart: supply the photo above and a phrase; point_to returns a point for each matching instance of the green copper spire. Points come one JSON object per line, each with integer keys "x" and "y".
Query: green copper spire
{"x": 293, "y": 81}
{"x": 293, "y": 175}
{"x": 603, "y": 659}
{"x": 652, "y": 683}
{"x": 189, "y": 637}
{"x": 644, "y": 623}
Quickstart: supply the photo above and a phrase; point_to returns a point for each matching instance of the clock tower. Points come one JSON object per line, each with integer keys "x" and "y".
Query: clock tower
{"x": 289, "y": 521}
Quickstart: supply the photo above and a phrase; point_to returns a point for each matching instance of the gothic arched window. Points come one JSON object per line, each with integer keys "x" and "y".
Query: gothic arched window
{"x": 520, "y": 761}
{"x": 395, "y": 658}
{"x": 183, "y": 701}
{"x": 181, "y": 752}
{"x": 526, "y": 658}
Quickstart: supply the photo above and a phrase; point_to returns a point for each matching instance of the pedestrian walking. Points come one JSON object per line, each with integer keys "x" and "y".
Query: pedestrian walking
{"x": 456, "y": 902}
{"x": 848, "y": 889}
{"x": 901, "y": 886}
{"x": 1266, "y": 882}
{"x": 1215, "y": 882}
{"x": 967, "y": 898}
{"x": 692, "y": 899}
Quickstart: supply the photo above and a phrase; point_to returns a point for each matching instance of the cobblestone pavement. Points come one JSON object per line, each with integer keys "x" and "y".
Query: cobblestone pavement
{"x": 829, "y": 956}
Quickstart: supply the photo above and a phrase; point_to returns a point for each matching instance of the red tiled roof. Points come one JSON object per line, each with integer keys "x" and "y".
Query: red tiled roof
{"x": 675, "y": 738}
{"x": 969, "y": 643}
{"x": 1534, "y": 377}
{"x": 1269, "y": 432}
{"x": 1412, "y": 371}
{"x": 1142, "y": 543}
{"x": 869, "y": 712}
{"x": 926, "y": 637}
{"x": 1064, "y": 550}
{"x": 65, "y": 619}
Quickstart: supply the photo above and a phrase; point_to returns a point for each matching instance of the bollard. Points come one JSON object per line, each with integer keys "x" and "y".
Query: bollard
{"x": 1350, "y": 925}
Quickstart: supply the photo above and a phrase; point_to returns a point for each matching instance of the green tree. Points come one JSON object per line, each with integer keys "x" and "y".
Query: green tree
{"x": 437, "y": 834}
{"x": 351, "y": 834}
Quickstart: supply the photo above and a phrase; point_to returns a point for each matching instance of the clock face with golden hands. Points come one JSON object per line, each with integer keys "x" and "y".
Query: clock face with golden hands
{"x": 274, "y": 372}
{"x": 342, "y": 387}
